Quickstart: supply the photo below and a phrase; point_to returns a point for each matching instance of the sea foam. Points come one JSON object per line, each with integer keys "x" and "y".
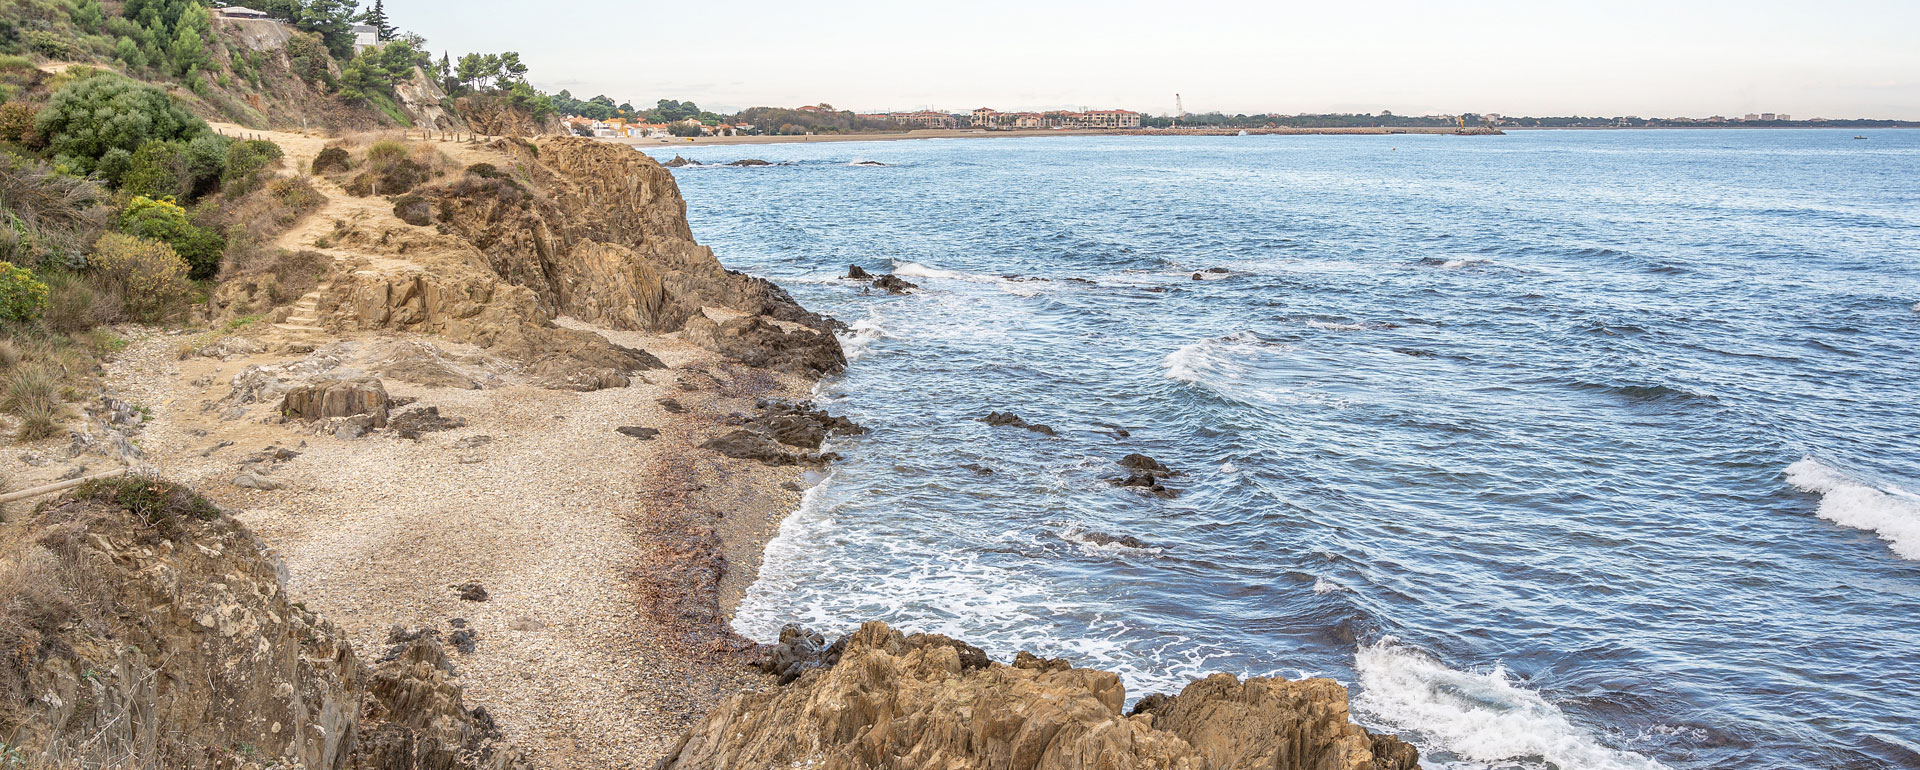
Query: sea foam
{"x": 859, "y": 336}
{"x": 1483, "y": 717}
{"x": 1894, "y": 516}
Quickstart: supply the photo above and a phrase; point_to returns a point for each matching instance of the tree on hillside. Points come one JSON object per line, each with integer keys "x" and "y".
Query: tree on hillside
{"x": 332, "y": 20}
{"x": 376, "y": 17}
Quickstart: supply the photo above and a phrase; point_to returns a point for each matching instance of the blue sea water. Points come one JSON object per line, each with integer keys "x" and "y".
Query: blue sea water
{"x": 1560, "y": 449}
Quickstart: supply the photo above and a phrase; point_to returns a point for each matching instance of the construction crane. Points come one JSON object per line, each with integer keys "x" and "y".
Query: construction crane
{"x": 1179, "y": 111}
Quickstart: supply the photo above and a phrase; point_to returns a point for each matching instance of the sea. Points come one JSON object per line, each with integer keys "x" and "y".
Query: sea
{"x": 1560, "y": 449}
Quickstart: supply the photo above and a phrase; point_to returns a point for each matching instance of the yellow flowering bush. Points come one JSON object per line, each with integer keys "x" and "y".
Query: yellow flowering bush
{"x": 149, "y": 275}
{"x": 22, "y": 297}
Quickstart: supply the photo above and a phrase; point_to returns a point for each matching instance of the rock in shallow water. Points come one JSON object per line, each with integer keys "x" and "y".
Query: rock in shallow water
{"x": 1009, "y": 419}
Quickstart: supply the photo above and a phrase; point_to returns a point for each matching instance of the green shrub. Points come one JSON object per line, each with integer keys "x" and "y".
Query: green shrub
{"x": 22, "y": 297}
{"x": 155, "y": 169}
{"x": 163, "y": 220}
{"x": 161, "y": 505}
{"x": 150, "y": 279}
{"x": 486, "y": 171}
{"x": 89, "y": 116}
{"x": 245, "y": 160}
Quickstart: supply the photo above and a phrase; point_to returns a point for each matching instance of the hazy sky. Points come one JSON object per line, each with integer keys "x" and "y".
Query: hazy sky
{"x": 1808, "y": 59}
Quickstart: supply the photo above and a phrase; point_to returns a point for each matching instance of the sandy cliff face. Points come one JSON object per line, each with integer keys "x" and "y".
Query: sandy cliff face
{"x": 149, "y": 625}
{"x": 883, "y": 700}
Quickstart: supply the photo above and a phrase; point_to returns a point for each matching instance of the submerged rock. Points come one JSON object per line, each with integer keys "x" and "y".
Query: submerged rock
{"x": 894, "y": 284}
{"x": 1009, "y": 419}
{"x": 858, "y": 273}
{"x": 889, "y": 701}
{"x": 750, "y": 162}
{"x": 679, "y": 162}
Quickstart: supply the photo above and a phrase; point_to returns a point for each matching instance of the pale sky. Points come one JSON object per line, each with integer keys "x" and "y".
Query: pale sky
{"x": 1858, "y": 58}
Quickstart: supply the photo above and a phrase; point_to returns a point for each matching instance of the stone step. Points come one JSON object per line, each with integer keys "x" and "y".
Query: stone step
{"x": 298, "y": 327}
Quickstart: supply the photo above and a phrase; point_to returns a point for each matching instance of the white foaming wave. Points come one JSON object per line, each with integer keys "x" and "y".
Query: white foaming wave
{"x": 1482, "y": 717}
{"x": 1193, "y": 361}
{"x": 1324, "y": 586}
{"x": 1229, "y": 367}
{"x": 859, "y": 336}
{"x": 1893, "y": 515}
{"x": 1335, "y": 326}
{"x": 917, "y": 270}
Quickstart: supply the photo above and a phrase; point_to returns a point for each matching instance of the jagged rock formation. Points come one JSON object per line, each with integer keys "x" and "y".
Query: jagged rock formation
{"x": 144, "y": 628}
{"x": 495, "y": 116}
{"x": 878, "y": 699}
{"x": 599, "y": 232}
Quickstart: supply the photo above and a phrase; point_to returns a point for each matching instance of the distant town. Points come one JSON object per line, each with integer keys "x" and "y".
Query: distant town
{"x": 600, "y": 117}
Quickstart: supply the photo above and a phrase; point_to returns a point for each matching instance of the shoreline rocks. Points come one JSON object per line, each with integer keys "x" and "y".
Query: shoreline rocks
{"x": 881, "y": 699}
{"x": 1145, "y": 475}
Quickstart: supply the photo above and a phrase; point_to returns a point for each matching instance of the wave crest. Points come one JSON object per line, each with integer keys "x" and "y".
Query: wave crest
{"x": 1849, "y": 503}
{"x": 1484, "y": 717}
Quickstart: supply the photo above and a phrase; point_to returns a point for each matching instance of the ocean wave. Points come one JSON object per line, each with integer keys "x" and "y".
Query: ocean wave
{"x": 1239, "y": 367}
{"x": 1451, "y": 263}
{"x": 917, "y": 270}
{"x": 1482, "y": 717}
{"x": 1893, "y": 516}
{"x": 1199, "y": 362}
{"x": 1324, "y": 586}
{"x": 859, "y": 336}
{"x": 1336, "y": 326}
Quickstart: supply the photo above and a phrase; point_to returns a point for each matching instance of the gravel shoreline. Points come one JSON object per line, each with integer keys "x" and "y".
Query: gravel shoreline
{"x": 565, "y": 523}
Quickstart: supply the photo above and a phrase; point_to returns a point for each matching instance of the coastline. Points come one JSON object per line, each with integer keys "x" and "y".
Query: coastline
{"x": 964, "y": 133}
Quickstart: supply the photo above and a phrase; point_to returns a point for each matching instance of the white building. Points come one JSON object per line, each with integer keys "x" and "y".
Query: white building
{"x": 365, "y": 36}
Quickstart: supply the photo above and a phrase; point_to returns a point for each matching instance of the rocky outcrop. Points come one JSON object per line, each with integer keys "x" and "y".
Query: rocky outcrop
{"x": 145, "y": 628}
{"x": 579, "y": 228}
{"x": 780, "y": 428}
{"x": 599, "y": 232}
{"x": 879, "y": 699}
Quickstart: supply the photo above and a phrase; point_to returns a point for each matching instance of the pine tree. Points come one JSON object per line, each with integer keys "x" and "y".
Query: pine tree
{"x": 376, "y": 17}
